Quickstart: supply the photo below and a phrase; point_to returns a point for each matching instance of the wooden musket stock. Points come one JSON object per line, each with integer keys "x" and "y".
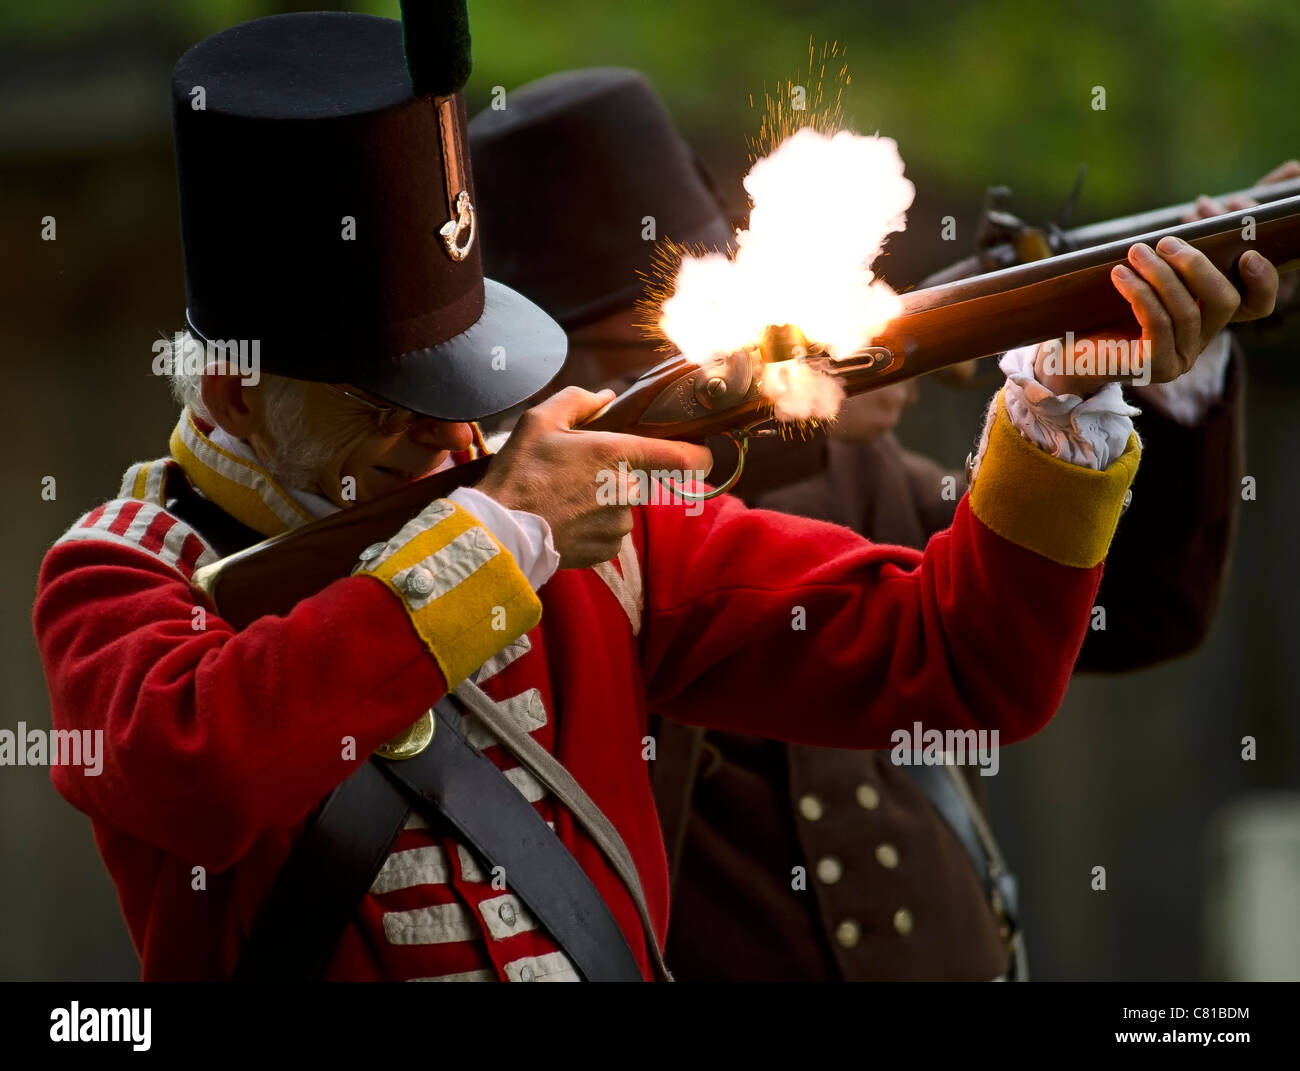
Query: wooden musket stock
{"x": 938, "y": 326}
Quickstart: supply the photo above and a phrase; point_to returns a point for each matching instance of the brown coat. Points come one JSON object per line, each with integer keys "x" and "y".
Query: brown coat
{"x": 890, "y": 893}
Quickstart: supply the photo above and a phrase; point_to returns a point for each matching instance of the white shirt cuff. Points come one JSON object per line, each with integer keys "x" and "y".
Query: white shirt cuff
{"x": 1188, "y": 398}
{"x": 1090, "y": 432}
{"x": 526, "y": 536}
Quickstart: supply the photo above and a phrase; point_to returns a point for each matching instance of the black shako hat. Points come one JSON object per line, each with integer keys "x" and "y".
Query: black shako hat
{"x": 328, "y": 212}
{"x": 567, "y": 172}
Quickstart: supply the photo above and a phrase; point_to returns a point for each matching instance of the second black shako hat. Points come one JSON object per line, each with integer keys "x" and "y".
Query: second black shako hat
{"x": 328, "y": 212}
{"x": 567, "y": 172}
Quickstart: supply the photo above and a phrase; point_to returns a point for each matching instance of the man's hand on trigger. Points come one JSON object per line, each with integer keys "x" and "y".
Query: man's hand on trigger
{"x": 551, "y": 468}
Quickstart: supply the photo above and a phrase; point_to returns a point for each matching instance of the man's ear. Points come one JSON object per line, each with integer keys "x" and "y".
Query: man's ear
{"x": 226, "y": 398}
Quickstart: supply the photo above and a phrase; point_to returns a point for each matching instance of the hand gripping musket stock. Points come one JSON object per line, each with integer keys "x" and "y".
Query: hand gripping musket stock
{"x": 938, "y": 326}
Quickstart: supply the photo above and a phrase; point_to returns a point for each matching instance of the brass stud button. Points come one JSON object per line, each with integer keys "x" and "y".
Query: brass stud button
{"x": 829, "y": 870}
{"x": 903, "y": 922}
{"x": 848, "y": 933}
{"x": 411, "y": 741}
{"x": 887, "y": 855}
{"x": 811, "y": 807}
{"x": 868, "y": 797}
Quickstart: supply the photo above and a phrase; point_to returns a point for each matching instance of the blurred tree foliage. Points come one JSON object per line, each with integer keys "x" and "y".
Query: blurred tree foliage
{"x": 1198, "y": 96}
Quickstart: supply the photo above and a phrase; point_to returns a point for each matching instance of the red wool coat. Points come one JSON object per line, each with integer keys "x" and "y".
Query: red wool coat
{"x": 219, "y": 744}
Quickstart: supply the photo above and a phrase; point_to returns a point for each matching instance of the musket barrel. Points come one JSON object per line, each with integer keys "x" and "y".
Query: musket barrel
{"x": 1041, "y": 300}
{"x": 1112, "y": 229}
{"x": 1004, "y": 253}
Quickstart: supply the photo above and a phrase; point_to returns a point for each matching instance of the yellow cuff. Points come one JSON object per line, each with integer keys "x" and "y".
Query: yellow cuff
{"x": 1062, "y": 511}
{"x": 466, "y": 596}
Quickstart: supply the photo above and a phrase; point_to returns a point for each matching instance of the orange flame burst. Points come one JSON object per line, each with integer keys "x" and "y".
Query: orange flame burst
{"x": 823, "y": 201}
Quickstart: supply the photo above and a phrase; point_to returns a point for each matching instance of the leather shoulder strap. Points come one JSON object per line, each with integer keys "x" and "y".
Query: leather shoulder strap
{"x": 487, "y": 810}
{"x": 548, "y": 769}
{"x": 952, "y": 798}
{"x": 332, "y": 866}
{"x": 336, "y": 859}
{"x": 339, "y": 854}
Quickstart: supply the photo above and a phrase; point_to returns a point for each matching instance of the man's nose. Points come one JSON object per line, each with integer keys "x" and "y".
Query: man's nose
{"x": 441, "y": 434}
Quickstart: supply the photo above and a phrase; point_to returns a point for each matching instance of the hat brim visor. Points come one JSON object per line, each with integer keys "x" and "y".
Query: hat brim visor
{"x": 510, "y": 353}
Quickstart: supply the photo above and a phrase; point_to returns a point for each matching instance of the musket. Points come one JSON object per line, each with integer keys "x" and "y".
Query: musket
{"x": 937, "y": 326}
{"x": 1005, "y": 241}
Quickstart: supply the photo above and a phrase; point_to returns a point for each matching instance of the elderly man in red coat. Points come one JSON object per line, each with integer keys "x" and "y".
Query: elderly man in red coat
{"x": 377, "y": 337}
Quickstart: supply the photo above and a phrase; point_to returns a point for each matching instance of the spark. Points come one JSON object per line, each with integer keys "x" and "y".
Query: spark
{"x": 823, "y": 202}
{"x": 822, "y": 111}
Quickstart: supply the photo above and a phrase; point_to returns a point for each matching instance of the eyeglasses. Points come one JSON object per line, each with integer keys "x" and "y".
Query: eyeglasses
{"x": 391, "y": 419}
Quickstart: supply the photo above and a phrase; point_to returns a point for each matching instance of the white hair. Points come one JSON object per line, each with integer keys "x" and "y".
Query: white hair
{"x": 187, "y": 386}
{"x": 293, "y": 455}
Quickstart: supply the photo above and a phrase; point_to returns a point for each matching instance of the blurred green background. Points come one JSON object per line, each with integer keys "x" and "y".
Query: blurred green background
{"x": 1198, "y": 94}
{"x": 1199, "y": 98}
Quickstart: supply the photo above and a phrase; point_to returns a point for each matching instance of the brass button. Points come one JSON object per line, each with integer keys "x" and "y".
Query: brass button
{"x": 811, "y": 807}
{"x": 848, "y": 933}
{"x": 887, "y": 855}
{"x": 868, "y": 797}
{"x": 411, "y": 741}
{"x": 829, "y": 870}
{"x": 903, "y": 921}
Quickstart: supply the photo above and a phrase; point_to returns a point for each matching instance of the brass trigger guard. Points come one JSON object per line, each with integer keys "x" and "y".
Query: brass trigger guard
{"x": 741, "y": 439}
